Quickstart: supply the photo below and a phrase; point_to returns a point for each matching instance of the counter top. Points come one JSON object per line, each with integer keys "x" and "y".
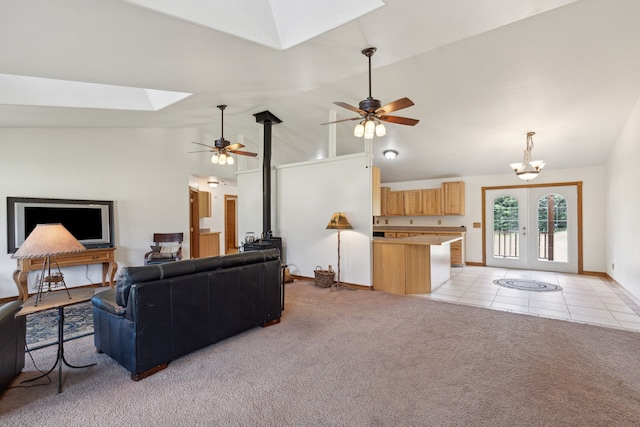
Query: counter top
{"x": 418, "y": 240}
{"x": 424, "y": 229}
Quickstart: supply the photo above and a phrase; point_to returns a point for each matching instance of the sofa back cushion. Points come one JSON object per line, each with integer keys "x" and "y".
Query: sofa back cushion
{"x": 150, "y": 273}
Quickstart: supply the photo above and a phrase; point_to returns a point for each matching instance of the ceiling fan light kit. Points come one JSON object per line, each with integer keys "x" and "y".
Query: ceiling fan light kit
{"x": 372, "y": 112}
{"x": 528, "y": 169}
{"x": 222, "y": 149}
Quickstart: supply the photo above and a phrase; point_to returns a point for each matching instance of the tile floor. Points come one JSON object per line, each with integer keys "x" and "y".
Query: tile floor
{"x": 585, "y": 299}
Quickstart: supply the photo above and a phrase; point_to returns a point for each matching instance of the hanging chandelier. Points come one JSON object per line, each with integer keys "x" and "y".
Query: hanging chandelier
{"x": 528, "y": 169}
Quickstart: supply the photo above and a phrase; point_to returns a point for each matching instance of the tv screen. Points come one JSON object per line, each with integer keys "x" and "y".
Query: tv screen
{"x": 89, "y": 221}
{"x": 83, "y": 223}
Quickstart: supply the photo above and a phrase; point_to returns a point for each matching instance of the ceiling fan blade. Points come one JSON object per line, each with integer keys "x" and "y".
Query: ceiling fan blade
{"x": 204, "y": 145}
{"x": 343, "y": 120}
{"x": 235, "y": 146}
{"x": 201, "y": 151}
{"x": 242, "y": 153}
{"x": 350, "y": 107}
{"x": 396, "y": 105}
{"x": 399, "y": 120}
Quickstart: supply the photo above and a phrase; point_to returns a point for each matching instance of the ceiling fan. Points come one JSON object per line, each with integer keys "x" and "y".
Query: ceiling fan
{"x": 222, "y": 148}
{"x": 372, "y": 112}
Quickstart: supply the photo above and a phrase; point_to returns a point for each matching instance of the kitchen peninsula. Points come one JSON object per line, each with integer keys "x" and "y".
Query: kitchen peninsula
{"x": 411, "y": 265}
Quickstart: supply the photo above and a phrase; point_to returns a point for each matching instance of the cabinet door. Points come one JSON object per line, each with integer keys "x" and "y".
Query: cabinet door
{"x": 412, "y": 202}
{"x": 395, "y": 203}
{"x": 204, "y": 205}
{"x": 453, "y": 198}
{"x": 384, "y": 194}
{"x": 375, "y": 188}
{"x": 432, "y": 201}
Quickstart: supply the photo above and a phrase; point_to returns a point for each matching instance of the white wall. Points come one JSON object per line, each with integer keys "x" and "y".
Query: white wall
{"x": 594, "y": 191}
{"x": 305, "y": 196}
{"x": 623, "y": 207}
{"x": 144, "y": 171}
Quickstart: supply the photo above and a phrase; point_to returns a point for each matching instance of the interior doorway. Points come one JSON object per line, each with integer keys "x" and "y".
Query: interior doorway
{"x": 194, "y": 224}
{"x": 230, "y": 224}
{"x": 535, "y": 227}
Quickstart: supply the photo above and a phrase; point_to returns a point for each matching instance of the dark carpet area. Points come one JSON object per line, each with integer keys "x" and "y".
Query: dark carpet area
{"x": 42, "y": 328}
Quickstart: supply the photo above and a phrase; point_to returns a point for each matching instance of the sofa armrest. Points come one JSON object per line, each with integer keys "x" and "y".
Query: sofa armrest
{"x": 107, "y": 301}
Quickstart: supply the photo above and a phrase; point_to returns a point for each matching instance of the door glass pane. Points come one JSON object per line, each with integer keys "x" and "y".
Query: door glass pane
{"x": 552, "y": 228}
{"x": 505, "y": 228}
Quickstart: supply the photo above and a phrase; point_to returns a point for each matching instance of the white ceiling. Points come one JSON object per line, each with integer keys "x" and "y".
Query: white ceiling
{"x": 481, "y": 75}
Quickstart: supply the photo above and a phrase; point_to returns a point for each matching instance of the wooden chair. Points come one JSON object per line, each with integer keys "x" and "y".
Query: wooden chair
{"x": 167, "y": 248}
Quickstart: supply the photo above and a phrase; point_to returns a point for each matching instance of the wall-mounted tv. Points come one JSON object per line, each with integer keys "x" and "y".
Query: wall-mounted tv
{"x": 89, "y": 221}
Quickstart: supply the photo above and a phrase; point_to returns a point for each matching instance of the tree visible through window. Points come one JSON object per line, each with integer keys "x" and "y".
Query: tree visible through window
{"x": 552, "y": 228}
{"x": 505, "y": 227}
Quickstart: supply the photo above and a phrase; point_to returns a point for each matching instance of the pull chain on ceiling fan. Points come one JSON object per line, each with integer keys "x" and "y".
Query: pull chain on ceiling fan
{"x": 222, "y": 148}
{"x": 372, "y": 112}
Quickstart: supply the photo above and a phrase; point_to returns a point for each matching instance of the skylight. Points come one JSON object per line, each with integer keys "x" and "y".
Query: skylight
{"x": 279, "y": 24}
{"x": 37, "y": 91}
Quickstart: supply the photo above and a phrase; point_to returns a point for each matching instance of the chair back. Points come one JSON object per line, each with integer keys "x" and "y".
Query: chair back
{"x": 168, "y": 237}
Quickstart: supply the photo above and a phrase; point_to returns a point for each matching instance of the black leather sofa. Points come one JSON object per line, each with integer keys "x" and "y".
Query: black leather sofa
{"x": 12, "y": 342}
{"x": 157, "y": 313}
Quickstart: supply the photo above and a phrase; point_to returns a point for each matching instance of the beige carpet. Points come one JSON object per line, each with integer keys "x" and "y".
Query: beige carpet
{"x": 359, "y": 358}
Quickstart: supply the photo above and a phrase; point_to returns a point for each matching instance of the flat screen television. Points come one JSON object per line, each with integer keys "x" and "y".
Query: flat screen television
{"x": 89, "y": 221}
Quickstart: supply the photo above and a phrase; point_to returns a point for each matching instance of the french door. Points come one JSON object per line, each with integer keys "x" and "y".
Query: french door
{"x": 532, "y": 228}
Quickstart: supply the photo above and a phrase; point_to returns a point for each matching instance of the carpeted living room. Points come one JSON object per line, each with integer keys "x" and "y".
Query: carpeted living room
{"x": 367, "y": 143}
{"x": 343, "y": 357}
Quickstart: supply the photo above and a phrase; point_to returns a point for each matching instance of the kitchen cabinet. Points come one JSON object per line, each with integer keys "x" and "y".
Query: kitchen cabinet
{"x": 395, "y": 203}
{"x": 432, "y": 202}
{"x": 412, "y": 200}
{"x": 453, "y": 198}
{"x": 204, "y": 204}
{"x": 376, "y": 207}
{"x": 446, "y": 200}
{"x": 384, "y": 193}
{"x": 209, "y": 244}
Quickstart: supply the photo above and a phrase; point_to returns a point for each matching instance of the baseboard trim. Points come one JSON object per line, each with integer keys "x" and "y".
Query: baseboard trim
{"x": 351, "y": 285}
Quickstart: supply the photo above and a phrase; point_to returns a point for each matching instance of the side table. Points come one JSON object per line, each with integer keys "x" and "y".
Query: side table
{"x": 59, "y": 300}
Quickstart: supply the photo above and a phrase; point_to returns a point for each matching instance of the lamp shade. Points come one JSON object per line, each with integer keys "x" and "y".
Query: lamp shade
{"x": 46, "y": 240}
{"x": 339, "y": 221}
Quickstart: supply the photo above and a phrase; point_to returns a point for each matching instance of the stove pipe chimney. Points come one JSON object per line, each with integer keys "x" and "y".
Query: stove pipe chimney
{"x": 267, "y": 119}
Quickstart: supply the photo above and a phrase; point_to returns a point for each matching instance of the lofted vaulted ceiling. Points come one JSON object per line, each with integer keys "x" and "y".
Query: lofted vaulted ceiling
{"x": 481, "y": 74}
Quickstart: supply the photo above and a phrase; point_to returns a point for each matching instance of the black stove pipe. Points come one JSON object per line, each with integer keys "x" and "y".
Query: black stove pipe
{"x": 267, "y": 119}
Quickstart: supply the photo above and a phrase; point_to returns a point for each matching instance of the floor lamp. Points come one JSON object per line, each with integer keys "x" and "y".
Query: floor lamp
{"x": 338, "y": 222}
{"x": 46, "y": 241}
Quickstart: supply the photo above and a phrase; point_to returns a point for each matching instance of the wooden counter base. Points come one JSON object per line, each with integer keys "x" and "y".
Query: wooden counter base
{"x": 413, "y": 265}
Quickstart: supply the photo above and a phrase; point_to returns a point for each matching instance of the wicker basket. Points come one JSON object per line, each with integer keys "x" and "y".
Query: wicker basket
{"x": 324, "y": 278}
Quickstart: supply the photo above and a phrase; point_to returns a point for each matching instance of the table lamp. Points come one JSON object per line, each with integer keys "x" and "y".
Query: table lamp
{"x": 46, "y": 241}
{"x": 338, "y": 222}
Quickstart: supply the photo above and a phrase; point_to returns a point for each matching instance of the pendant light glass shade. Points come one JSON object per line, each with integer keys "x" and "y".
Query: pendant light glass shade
{"x": 215, "y": 158}
{"x": 528, "y": 169}
{"x": 380, "y": 130}
{"x": 358, "y": 132}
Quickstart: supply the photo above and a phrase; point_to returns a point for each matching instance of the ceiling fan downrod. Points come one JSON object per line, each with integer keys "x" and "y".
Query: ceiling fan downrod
{"x": 368, "y": 52}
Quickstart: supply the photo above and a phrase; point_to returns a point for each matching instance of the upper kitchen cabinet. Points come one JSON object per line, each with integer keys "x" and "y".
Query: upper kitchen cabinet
{"x": 453, "y": 198}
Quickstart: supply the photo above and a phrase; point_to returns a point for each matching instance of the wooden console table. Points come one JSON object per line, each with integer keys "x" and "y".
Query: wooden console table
{"x": 104, "y": 256}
